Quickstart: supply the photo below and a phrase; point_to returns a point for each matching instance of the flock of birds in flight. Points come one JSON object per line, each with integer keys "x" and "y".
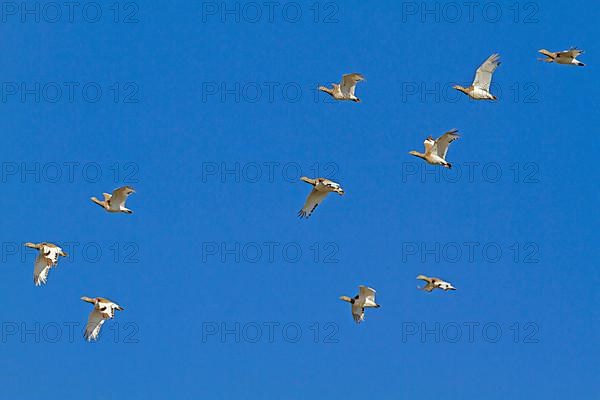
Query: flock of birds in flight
{"x": 49, "y": 253}
{"x": 435, "y": 154}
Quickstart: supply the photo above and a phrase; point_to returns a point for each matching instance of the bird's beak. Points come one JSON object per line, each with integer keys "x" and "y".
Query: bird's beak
{"x": 341, "y": 192}
{"x": 451, "y": 288}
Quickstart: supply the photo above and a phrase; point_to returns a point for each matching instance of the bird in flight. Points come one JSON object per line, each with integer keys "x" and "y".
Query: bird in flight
{"x": 568, "y": 57}
{"x": 364, "y": 299}
{"x": 436, "y": 150}
{"x": 321, "y": 188}
{"x": 46, "y": 259}
{"x": 434, "y": 283}
{"x": 115, "y": 202}
{"x": 480, "y": 89}
{"x": 345, "y": 89}
{"x": 103, "y": 309}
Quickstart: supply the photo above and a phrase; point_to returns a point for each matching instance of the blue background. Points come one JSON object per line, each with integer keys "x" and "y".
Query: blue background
{"x": 174, "y": 129}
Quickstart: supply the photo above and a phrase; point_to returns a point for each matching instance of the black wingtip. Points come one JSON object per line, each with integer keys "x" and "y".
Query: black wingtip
{"x": 302, "y": 214}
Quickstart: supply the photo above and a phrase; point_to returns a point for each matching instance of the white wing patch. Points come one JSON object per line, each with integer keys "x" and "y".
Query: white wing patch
{"x": 442, "y": 143}
{"x": 119, "y": 197}
{"x": 428, "y": 143}
{"x": 314, "y": 199}
{"x": 483, "y": 76}
{"x": 348, "y": 84}
{"x": 358, "y": 313}
{"x": 92, "y": 329}
{"x": 367, "y": 293}
{"x": 40, "y": 270}
{"x": 573, "y": 52}
{"x": 52, "y": 253}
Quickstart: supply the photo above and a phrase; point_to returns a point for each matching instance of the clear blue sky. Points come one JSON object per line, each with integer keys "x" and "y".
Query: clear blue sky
{"x": 166, "y": 133}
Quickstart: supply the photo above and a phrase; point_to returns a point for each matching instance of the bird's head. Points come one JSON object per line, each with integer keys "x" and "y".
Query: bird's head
{"x": 460, "y": 88}
{"x": 339, "y": 191}
{"x": 415, "y": 153}
{"x": 347, "y": 299}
